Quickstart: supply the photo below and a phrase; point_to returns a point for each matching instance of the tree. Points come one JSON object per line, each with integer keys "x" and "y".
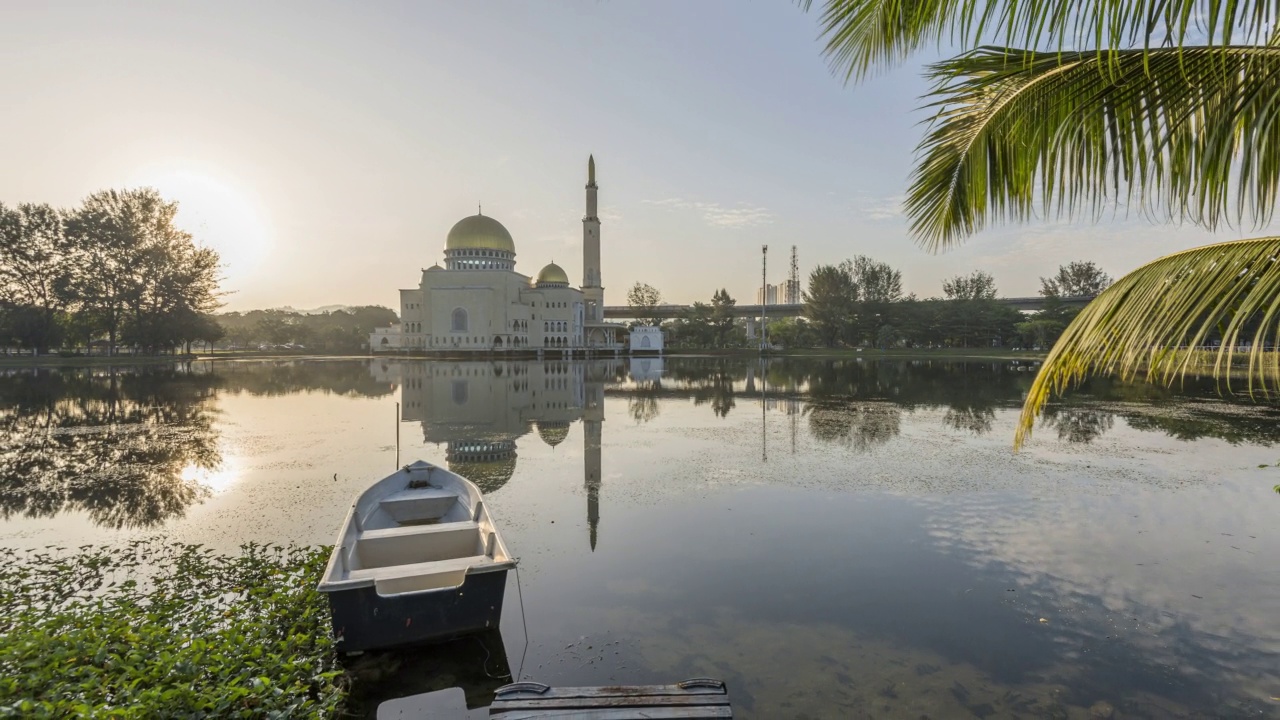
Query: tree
{"x": 877, "y": 282}
{"x": 644, "y": 298}
{"x": 1076, "y": 279}
{"x": 693, "y": 328}
{"x": 978, "y": 285}
{"x": 829, "y": 302}
{"x": 722, "y": 316}
{"x": 1173, "y": 113}
{"x": 792, "y": 332}
{"x": 35, "y": 269}
{"x": 136, "y": 272}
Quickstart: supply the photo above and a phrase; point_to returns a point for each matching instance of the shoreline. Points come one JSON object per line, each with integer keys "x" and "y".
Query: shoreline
{"x": 27, "y": 361}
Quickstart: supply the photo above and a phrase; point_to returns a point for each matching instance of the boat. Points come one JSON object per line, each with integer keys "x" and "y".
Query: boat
{"x": 418, "y": 559}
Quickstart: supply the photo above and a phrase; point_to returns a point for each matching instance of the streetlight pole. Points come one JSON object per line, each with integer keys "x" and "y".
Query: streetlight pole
{"x": 764, "y": 297}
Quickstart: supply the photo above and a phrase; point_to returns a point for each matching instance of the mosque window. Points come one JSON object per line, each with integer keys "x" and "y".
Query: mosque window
{"x": 459, "y": 320}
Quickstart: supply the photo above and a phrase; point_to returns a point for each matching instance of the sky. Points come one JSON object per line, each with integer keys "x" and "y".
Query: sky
{"x": 325, "y": 149}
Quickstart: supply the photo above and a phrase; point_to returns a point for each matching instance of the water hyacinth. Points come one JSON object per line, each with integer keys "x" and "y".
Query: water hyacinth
{"x": 156, "y": 629}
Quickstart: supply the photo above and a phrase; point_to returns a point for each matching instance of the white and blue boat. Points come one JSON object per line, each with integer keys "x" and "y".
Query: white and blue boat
{"x": 419, "y": 559}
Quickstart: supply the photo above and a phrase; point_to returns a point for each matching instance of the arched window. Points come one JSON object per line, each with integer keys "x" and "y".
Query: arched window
{"x": 459, "y": 320}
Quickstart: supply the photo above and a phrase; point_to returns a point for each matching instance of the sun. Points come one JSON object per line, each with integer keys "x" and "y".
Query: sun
{"x": 218, "y": 216}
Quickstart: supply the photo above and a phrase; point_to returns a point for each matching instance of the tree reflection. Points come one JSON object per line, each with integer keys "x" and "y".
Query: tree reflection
{"x": 976, "y": 420}
{"x": 288, "y": 377}
{"x": 643, "y": 404}
{"x": 1078, "y": 424}
{"x": 970, "y": 393}
{"x": 116, "y": 445}
{"x": 859, "y": 425}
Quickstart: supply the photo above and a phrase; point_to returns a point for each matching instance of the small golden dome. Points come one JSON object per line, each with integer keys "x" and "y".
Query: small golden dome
{"x": 480, "y": 232}
{"x": 552, "y": 273}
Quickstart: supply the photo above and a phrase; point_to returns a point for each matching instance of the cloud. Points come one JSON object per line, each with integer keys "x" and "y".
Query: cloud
{"x": 741, "y": 215}
{"x": 879, "y": 208}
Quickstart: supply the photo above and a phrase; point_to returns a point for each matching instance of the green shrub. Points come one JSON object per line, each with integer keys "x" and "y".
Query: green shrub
{"x": 166, "y": 630}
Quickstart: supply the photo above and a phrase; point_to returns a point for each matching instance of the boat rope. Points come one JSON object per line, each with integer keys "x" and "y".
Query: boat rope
{"x": 488, "y": 656}
{"x": 524, "y": 622}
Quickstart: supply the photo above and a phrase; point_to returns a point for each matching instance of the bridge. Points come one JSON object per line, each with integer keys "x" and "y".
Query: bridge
{"x": 667, "y": 312}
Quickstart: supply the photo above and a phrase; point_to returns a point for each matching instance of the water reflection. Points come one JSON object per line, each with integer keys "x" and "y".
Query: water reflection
{"x": 480, "y": 410}
{"x": 135, "y": 447}
{"x": 390, "y": 683}
{"x": 1078, "y": 424}
{"x": 119, "y": 446}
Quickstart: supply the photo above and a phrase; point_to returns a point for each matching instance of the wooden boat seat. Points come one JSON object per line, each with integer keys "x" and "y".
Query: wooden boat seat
{"x": 404, "y": 530}
{"x": 434, "y": 567}
{"x": 422, "y": 577}
{"x": 418, "y": 504}
{"x": 412, "y": 544}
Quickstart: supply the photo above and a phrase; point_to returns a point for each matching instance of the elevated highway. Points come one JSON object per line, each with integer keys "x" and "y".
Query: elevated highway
{"x": 667, "y": 312}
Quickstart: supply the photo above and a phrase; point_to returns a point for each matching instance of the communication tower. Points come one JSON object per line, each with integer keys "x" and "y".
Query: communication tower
{"x": 793, "y": 282}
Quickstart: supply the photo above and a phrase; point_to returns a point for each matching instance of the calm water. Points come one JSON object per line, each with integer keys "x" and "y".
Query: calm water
{"x": 834, "y": 539}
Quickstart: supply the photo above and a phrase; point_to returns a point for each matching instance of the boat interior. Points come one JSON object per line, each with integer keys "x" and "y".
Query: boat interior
{"x": 421, "y": 529}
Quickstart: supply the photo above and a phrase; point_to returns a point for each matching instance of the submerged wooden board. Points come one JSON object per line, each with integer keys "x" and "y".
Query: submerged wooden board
{"x": 689, "y": 700}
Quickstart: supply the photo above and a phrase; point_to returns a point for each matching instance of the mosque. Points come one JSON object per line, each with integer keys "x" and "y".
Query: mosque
{"x": 478, "y": 302}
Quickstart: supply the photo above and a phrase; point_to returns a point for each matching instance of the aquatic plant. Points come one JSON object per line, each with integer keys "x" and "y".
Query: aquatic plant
{"x": 155, "y": 629}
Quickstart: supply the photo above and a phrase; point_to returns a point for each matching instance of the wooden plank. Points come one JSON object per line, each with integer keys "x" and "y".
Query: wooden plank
{"x": 611, "y": 690}
{"x": 717, "y": 712}
{"x": 613, "y": 701}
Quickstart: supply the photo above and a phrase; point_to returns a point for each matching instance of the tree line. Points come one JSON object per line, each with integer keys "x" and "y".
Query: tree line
{"x": 346, "y": 330}
{"x": 860, "y": 303}
{"x": 116, "y": 271}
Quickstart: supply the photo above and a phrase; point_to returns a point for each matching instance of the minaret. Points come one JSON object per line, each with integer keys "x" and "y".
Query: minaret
{"x": 592, "y": 291}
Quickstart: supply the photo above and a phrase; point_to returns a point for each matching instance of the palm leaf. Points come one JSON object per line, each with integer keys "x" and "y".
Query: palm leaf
{"x": 1141, "y": 324}
{"x": 861, "y": 35}
{"x": 1193, "y": 132}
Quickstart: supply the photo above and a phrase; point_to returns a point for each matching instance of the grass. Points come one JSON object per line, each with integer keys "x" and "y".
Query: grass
{"x": 166, "y": 630}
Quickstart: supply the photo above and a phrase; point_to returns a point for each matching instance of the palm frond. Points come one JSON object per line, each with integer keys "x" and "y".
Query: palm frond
{"x": 1150, "y": 322}
{"x": 861, "y": 35}
{"x": 1193, "y": 133}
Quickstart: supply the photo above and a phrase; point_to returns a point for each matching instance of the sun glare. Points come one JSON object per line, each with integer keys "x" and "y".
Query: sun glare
{"x": 217, "y": 480}
{"x": 218, "y": 216}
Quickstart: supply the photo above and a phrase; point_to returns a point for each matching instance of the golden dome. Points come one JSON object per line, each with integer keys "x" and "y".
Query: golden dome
{"x": 552, "y": 273}
{"x": 480, "y": 232}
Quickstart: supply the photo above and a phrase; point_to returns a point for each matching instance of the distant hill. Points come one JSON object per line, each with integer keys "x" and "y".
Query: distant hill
{"x": 314, "y": 311}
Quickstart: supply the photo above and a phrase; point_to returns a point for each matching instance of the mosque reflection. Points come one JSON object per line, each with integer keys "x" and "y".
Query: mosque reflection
{"x": 479, "y": 410}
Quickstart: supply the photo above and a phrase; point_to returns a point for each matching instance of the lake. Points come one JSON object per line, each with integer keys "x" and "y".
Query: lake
{"x": 833, "y": 538}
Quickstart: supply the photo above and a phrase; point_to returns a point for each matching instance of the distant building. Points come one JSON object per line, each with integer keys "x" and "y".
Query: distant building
{"x": 770, "y": 297}
{"x": 789, "y": 291}
{"x": 478, "y": 302}
{"x": 646, "y": 339}
{"x": 385, "y": 339}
